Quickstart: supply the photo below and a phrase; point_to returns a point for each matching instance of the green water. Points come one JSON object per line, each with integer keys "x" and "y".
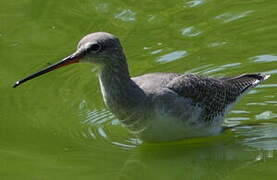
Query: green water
{"x": 57, "y": 126}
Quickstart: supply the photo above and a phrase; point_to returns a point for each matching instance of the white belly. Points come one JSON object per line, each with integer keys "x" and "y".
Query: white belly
{"x": 166, "y": 128}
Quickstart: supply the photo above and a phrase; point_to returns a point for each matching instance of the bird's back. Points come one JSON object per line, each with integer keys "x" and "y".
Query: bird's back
{"x": 201, "y": 101}
{"x": 154, "y": 81}
{"x": 202, "y": 90}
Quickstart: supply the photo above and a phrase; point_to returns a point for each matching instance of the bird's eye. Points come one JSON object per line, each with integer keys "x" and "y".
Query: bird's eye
{"x": 94, "y": 47}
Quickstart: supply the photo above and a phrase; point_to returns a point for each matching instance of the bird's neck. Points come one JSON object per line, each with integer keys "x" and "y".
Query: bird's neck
{"x": 119, "y": 91}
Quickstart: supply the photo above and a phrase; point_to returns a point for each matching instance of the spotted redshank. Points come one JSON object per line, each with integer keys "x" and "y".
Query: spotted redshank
{"x": 157, "y": 106}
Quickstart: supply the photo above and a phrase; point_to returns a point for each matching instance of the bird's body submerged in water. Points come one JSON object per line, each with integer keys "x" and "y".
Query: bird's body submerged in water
{"x": 158, "y": 106}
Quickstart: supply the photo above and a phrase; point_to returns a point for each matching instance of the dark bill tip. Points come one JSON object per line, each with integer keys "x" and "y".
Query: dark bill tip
{"x": 16, "y": 84}
{"x": 66, "y": 61}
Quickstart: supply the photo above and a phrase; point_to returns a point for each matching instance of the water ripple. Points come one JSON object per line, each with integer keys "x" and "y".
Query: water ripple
{"x": 190, "y": 31}
{"x": 266, "y": 115}
{"x": 264, "y": 58}
{"x": 126, "y": 15}
{"x": 156, "y": 51}
{"x": 271, "y": 72}
{"x": 228, "y": 17}
{"x": 217, "y": 44}
{"x": 239, "y": 112}
{"x": 172, "y": 56}
{"x": 221, "y": 68}
{"x": 102, "y": 7}
{"x": 194, "y": 3}
{"x": 262, "y": 136}
{"x": 267, "y": 86}
{"x": 102, "y": 125}
{"x": 256, "y": 104}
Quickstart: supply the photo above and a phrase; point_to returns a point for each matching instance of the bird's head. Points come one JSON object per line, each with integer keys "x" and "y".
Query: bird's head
{"x": 100, "y": 48}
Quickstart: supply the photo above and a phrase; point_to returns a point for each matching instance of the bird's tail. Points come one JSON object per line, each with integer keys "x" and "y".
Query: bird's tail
{"x": 246, "y": 81}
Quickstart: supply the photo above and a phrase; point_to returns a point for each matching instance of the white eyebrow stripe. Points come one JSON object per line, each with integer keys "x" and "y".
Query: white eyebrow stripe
{"x": 87, "y": 45}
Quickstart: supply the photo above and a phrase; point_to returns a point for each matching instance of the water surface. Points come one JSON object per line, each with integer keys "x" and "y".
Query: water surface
{"x": 57, "y": 126}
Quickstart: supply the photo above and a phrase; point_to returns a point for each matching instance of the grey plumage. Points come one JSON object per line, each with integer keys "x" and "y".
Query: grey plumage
{"x": 157, "y": 106}
{"x": 212, "y": 94}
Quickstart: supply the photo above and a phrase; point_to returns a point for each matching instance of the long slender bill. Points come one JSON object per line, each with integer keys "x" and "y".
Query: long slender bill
{"x": 74, "y": 58}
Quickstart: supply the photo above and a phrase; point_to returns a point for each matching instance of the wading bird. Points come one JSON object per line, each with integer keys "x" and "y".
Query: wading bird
{"x": 157, "y": 106}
